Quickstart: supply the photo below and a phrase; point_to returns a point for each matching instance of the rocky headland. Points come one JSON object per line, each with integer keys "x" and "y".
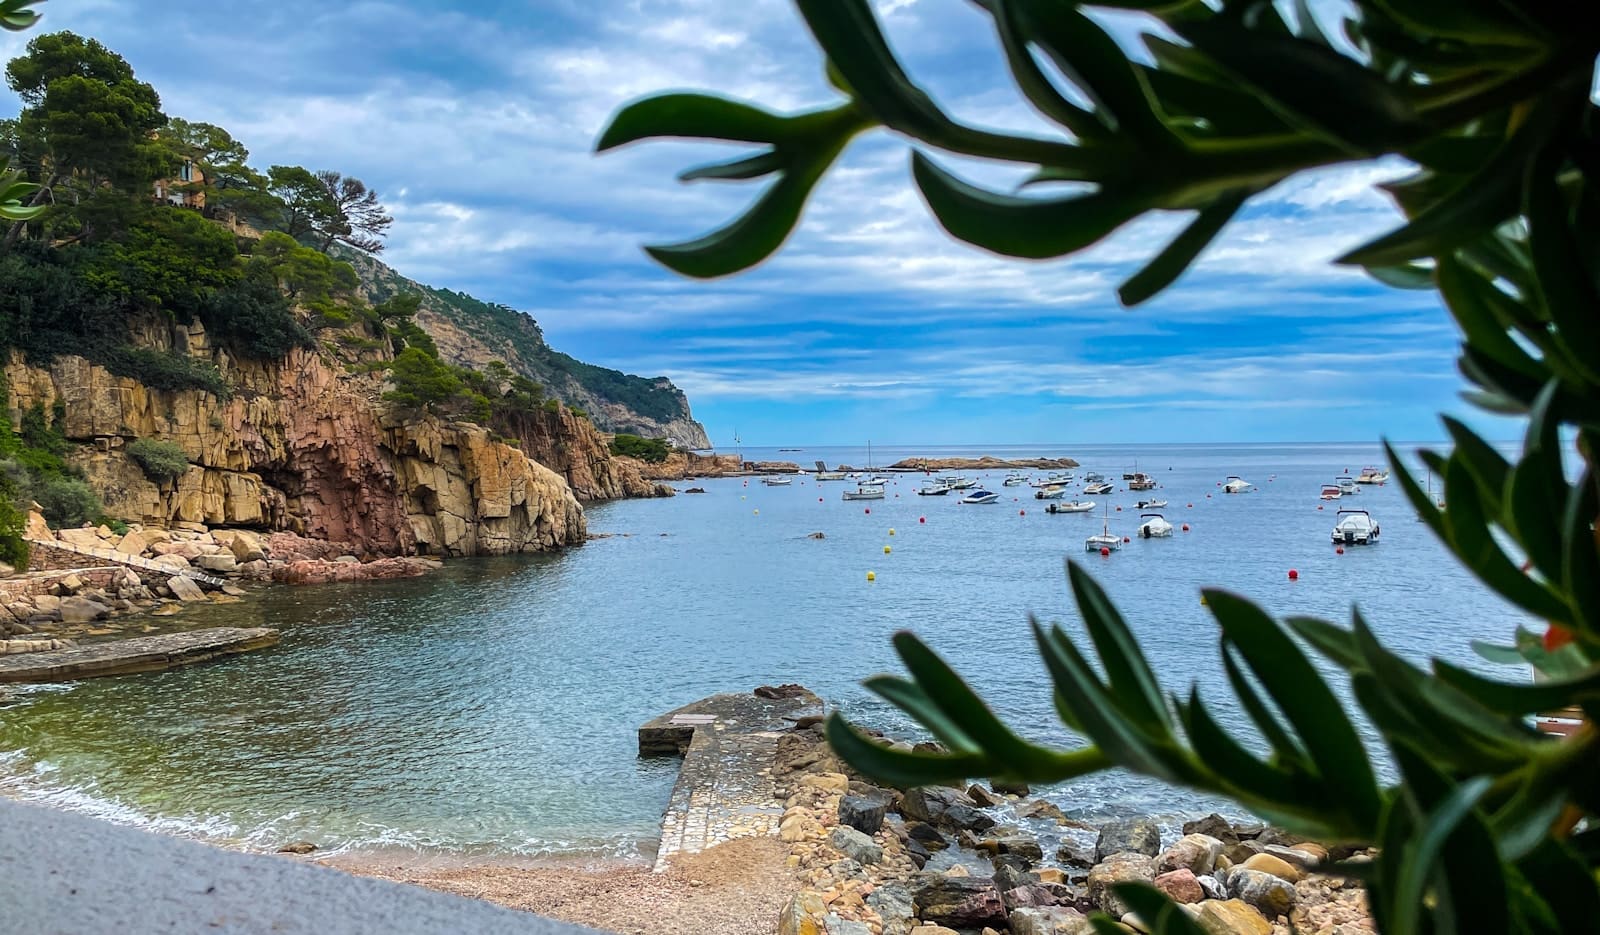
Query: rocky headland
{"x": 985, "y": 463}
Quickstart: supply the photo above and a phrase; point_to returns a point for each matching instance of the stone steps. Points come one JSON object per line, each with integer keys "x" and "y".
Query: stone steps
{"x": 133, "y": 561}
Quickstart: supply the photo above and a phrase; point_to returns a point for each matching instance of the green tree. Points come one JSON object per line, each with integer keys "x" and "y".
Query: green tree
{"x": 307, "y": 208}
{"x": 167, "y": 260}
{"x": 227, "y": 181}
{"x": 420, "y": 382}
{"x": 1490, "y": 826}
{"x": 162, "y": 462}
{"x": 358, "y": 219}
{"x": 305, "y": 275}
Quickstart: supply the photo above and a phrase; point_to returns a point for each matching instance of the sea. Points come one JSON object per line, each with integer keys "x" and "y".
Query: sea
{"x": 489, "y": 710}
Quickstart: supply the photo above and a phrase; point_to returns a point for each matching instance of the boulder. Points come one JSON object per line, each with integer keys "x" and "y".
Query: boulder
{"x": 1008, "y": 876}
{"x": 931, "y": 838}
{"x": 1243, "y": 851}
{"x": 862, "y": 813}
{"x": 958, "y": 902}
{"x": 1303, "y": 857}
{"x": 1231, "y": 917}
{"x": 46, "y": 603}
{"x": 134, "y": 543}
{"x": 37, "y": 527}
{"x": 1030, "y": 895}
{"x": 184, "y": 589}
{"x": 892, "y": 903}
{"x": 1075, "y": 854}
{"x": 1003, "y": 787}
{"x": 1039, "y": 808}
{"x": 855, "y": 845}
{"x": 1277, "y": 866}
{"x": 1119, "y": 868}
{"x": 802, "y": 915}
{"x": 170, "y": 560}
{"x": 927, "y": 929}
{"x": 1272, "y": 895}
{"x": 949, "y": 808}
{"x": 1128, "y": 836}
{"x": 836, "y": 925}
{"x": 1050, "y": 920}
{"x": 82, "y": 610}
{"x": 222, "y": 563}
{"x": 82, "y": 538}
{"x": 1213, "y": 825}
{"x": 982, "y": 797}
{"x": 1194, "y": 852}
{"x": 1181, "y": 885}
{"x": 1212, "y": 887}
{"x": 1018, "y": 845}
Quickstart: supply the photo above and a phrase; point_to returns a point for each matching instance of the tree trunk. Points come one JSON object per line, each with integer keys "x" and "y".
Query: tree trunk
{"x": 17, "y": 226}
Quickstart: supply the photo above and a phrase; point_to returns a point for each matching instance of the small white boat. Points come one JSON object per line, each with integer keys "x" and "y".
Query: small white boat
{"x": 1155, "y": 526}
{"x": 1105, "y": 541}
{"x": 864, "y": 492}
{"x": 1347, "y": 485}
{"x": 1071, "y": 506}
{"x": 876, "y": 480}
{"x": 777, "y": 481}
{"x": 1151, "y": 504}
{"x": 1142, "y": 482}
{"x": 830, "y": 475}
{"x": 1014, "y": 481}
{"x": 981, "y": 496}
{"x": 1372, "y": 475}
{"x": 1331, "y": 492}
{"x": 1093, "y": 478}
{"x": 963, "y": 483}
{"x": 1236, "y": 484}
{"x": 933, "y": 490}
{"x": 1099, "y": 488}
{"x": 1355, "y": 527}
{"x": 1051, "y": 493}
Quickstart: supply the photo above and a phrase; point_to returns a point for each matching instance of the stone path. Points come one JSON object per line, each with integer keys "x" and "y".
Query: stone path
{"x": 133, "y": 561}
{"x": 724, "y": 789}
{"x": 140, "y": 654}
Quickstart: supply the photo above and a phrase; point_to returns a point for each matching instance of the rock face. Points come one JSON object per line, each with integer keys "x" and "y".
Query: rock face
{"x": 1129, "y": 836}
{"x": 959, "y": 902}
{"x": 304, "y": 447}
{"x": 572, "y": 447}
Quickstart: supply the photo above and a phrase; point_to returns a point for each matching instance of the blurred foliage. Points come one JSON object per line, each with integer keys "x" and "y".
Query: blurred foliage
{"x": 1490, "y": 825}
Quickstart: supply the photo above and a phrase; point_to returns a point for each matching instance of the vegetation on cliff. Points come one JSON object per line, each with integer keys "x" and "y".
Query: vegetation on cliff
{"x": 648, "y": 450}
{"x": 1489, "y": 826}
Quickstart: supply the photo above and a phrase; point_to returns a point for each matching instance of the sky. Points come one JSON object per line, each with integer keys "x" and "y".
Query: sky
{"x": 476, "y": 124}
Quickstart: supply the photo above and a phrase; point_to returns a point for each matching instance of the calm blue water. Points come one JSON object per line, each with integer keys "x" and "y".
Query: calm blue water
{"x": 491, "y": 708}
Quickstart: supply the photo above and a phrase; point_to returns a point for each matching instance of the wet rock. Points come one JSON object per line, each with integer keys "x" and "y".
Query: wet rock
{"x": 298, "y": 847}
{"x": 82, "y": 610}
{"x": 1181, "y": 885}
{"x": 184, "y": 589}
{"x": 1231, "y": 917}
{"x": 782, "y": 692}
{"x": 1212, "y": 887}
{"x": 1040, "y": 809}
{"x": 855, "y": 845}
{"x": 1128, "y": 836}
{"x": 892, "y": 903}
{"x": 1019, "y": 845}
{"x": 862, "y": 813}
{"x": 982, "y": 797}
{"x": 1002, "y": 787}
{"x": 1032, "y": 895}
{"x": 1213, "y": 825}
{"x": 927, "y": 835}
{"x": 1195, "y": 852}
{"x": 1052, "y": 920}
{"x": 1272, "y": 895}
{"x": 1075, "y": 854}
{"x": 1303, "y": 857}
{"x": 168, "y": 609}
{"x": 1278, "y": 867}
{"x": 958, "y": 902}
{"x": 1119, "y": 868}
{"x": 949, "y": 808}
{"x": 918, "y": 853}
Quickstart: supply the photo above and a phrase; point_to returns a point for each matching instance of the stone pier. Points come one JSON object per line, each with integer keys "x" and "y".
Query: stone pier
{"x": 724, "y": 789}
{"x": 140, "y": 654}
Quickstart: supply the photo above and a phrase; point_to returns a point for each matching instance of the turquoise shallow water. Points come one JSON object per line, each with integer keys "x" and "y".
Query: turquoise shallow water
{"x": 490, "y": 709}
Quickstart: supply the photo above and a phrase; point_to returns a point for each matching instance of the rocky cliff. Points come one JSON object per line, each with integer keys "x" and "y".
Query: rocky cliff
{"x": 470, "y": 332}
{"x": 571, "y": 446}
{"x": 302, "y": 446}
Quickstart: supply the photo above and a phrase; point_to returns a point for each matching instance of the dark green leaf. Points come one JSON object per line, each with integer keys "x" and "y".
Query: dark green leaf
{"x": 748, "y": 167}
{"x": 1499, "y": 655}
{"x": 910, "y": 698}
{"x": 1580, "y": 570}
{"x": 692, "y": 116}
{"x": 1131, "y": 682}
{"x": 1521, "y": 697}
{"x": 1436, "y": 828}
{"x": 1334, "y": 642}
{"x": 900, "y": 767}
{"x": 1486, "y": 465}
{"x": 1177, "y": 256}
{"x": 1283, "y": 745}
{"x": 1245, "y": 773}
{"x": 1033, "y": 82}
{"x": 1465, "y": 294}
{"x": 1471, "y": 540}
{"x": 1565, "y": 280}
{"x": 1566, "y": 883}
{"x": 1156, "y": 909}
{"x": 1404, "y": 276}
{"x": 1536, "y": 490}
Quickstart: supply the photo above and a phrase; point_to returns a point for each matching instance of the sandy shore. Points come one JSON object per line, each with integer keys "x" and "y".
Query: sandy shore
{"x": 734, "y": 889}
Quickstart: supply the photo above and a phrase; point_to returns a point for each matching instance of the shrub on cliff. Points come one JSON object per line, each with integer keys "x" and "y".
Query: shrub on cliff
{"x": 254, "y": 316}
{"x": 68, "y": 501}
{"x": 166, "y": 370}
{"x": 162, "y": 462}
{"x": 420, "y": 382}
{"x": 652, "y": 450}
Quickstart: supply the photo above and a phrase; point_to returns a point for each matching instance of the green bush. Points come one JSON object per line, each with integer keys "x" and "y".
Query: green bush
{"x": 162, "y": 462}
{"x": 420, "y": 382}
{"x": 68, "y": 501}
{"x": 167, "y": 370}
{"x": 255, "y": 318}
{"x": 652, "y": 450}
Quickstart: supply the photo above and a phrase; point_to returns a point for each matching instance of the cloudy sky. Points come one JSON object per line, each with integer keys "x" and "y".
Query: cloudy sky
{"x": 476, "y": 122}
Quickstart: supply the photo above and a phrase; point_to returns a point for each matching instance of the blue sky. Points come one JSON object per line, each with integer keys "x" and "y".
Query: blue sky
{"x": 476, "y": 122}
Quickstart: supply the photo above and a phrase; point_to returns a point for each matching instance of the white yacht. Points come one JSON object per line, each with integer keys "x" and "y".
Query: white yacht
{"x": 829, "y": 475}
{"x": 1355, "y": 527}
{"x": 1347, "y": 485}
{"x": 864, "y": 492}
{"x": 1151, "y": 504}
{"x": 1372, "y": 475}
{"x": 933, "y": 490}
{"x": 1055, "y": 492}
{"x": 1141, "y": 482}
{"x": 1331, "y": 492}
{"x": 1154, "y": 526}
{"x": 980, "y": 496}
{"x": 777, "y": 480}
{"x": 1014, "y": 480}
{"x": 1071, "y": 506}
{"x": 1105, "y": 541}
{"x": 1236, "y": 484}
{"x": 1099, "y": 488}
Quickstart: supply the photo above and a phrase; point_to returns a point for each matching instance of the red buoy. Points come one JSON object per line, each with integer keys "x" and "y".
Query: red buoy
{"x": 1104, "y": 551}
{"x": 1294, "y": 575}
{"x": 922, "y": 519}
{"x": 1119, "y": 509}
{"x": 1185, "y": 527}
{"x": 1022, "y": 512}
{"x": 1339, "y": 550}
{"x": 1126, "y": 539}
{"x": 1319, "y": 506}
{"x": 869, "y": 509}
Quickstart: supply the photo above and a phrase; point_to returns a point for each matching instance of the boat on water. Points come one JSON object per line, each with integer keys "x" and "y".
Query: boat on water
{"x": 1055, "y": 492}
{"x": 1141, "y": 482}
{"x": 1236, "y": 484}
{"x": 1071, "y": 506}
{"x": 864, "y": 492}
{"x": 1098, "y": 488}
{"x": 1105, "y": 541}
{"x": 1093, "y": 478}
{"x": 830, "y": 475}
{"x": 933, "y": 490}
{"x": 981, "y": 496}
{"x": 1331, "y": 492}
{"x": 1355, "y": 527}
{"x": 1372, "y": 475}
{"x": 791, "y": 449}
{"x": 777, "y": 480}
{"x": 1151, "y": 504}
{"x": 1154, "y": 526}
{"x": 1015, "y": 480}
{"x": 1130, "y": 475}
{"x": 958, "y": 483}
{"x": 1347, "y": 485}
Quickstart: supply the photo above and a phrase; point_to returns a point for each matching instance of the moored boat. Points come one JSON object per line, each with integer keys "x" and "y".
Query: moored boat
{"x": 1151, "y": 504}
{"x": 864, "y": 492}
{"x": 1071, "y": 506}
{"x": 980, "y": 496}
{"x": 1355, "y": 527}
{"x": 1105, "y": 542}
{"x": 1015, "y": 480}
{"x": 1236, "y": 484}
{"x": 933, "y": 490}
{"x": 1372, "y": 475}
{"x": 1141, "y": 482}
{"x": 1347, "y": 485}
{"x": 777, "y": 480}
{"x": 1055, "y": 492}
{"x": 1154, "y": 526}
{"x": 1098, "y": 488}
{"x": 1331, "y": 492}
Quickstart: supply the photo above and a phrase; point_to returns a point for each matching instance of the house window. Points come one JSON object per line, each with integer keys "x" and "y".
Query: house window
{"x": 187, "y": 172}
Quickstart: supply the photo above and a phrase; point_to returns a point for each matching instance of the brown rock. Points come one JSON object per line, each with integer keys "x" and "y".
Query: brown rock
{"x": 1277, "y": 866}
{"x": 1119, "y": 868}
{"x": 1181, "y": 885}
{"x": 1231, "y": 917}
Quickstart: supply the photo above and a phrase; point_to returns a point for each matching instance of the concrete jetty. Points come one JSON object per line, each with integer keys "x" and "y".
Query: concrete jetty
{"x": 724, "y": 788}
{"x": 139, "y": 654}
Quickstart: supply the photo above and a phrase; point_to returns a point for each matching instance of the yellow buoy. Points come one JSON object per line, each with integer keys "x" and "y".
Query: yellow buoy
{"x": 886, "y": 550}
{"x": 891, "y": 532}
{"x": 756, "y": 512}
{"x": 872, "y": 576}
{"x": 1202, "y": 600}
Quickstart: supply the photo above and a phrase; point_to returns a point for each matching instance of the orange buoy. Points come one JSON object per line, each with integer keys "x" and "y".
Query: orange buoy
{"x": 1294, "y": 575}
{"x": 1104, "y": 551}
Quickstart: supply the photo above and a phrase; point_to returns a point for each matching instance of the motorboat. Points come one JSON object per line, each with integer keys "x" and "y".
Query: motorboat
{"x": 1331, "y": 492}
{"x": 1236, "y": 484}
{"x": 1347, "y": 485}
{"x": 981, "y": 496}
{"x": 933, "y": 490}
{"x": 1015, "y": 480}
{"x": 864, "y": 492}
{"x": 1071, "y": 506}
{"x": 1151, "y": 504}
{"x": 1105, "y": 542}
{"x": 1154, "y": 526}
{"x": 1055, "y": 492}
{"x": 1372, "y": 475}
{"x": 961, "y": 483}
{"x": 829, "y": 475}
{"x": 1355, "y": 527}
{"x": 1093, "y": 478}
{"x": 876, "y": 480}
{"x": 1099, "y": 488}
{"x": 1141, "y": 482}
{"x": 777, "y": 480}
